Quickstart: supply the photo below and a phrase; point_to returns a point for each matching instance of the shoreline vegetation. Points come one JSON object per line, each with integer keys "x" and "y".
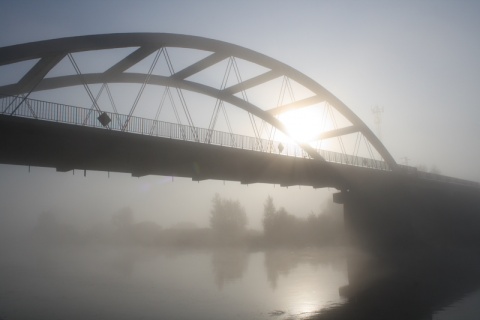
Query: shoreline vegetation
{"x": 228, "y": 228}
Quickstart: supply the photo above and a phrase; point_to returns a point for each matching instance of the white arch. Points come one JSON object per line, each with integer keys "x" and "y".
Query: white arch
{"x": 51, "y": 52}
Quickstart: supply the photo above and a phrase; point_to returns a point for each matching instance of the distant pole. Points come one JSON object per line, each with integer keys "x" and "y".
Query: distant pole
{"x": 377, "y": 120}
{"x": 406, "y": 160}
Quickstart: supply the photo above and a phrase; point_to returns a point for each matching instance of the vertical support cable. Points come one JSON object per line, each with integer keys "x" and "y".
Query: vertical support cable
{"x": 77, "y": 70}
{"x": 177, "y": 116}
{"x": 147, "y": 79}
{"x": 219, "y": 105}
{"x": 112, "y": 102}
{"x": 159, "y": 109}
{"x": 245, "y": 97}
{"x": 181, "y": 97}
{"x": 93, "y": 104}
{"x": 340, "y": 140}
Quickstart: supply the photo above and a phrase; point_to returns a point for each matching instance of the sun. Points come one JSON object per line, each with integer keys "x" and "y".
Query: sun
{"x": 303, "y": 125}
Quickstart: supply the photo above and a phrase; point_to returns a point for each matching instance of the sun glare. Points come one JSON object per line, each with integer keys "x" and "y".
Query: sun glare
{"x": 303, "y": 125}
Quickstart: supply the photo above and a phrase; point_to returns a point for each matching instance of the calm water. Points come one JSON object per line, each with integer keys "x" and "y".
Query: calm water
{"x": 100, "y": 282}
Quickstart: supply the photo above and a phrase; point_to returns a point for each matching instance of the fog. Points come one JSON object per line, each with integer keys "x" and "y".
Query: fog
{"x": 163, "y": 200}
{"x": 99, "y": 245}
{"x": 122, "y": 266}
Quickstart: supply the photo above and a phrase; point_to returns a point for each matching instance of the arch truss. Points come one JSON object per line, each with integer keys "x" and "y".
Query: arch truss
{"x": 203, "y": 85}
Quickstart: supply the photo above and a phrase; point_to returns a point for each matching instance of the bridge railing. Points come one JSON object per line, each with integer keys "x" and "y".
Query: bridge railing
{"x": 56, "y": 112}
{"x": 436, "y": 177}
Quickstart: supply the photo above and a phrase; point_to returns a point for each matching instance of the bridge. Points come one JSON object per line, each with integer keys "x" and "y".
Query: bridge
{"x": 224, "y": 114}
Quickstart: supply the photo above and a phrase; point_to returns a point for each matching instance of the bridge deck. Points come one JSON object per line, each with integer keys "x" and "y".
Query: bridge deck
{"x": 56, "y": 112}
{"x": 66, "y": 147}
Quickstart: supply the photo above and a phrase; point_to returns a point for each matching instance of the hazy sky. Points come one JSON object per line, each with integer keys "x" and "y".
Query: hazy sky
{"x": 419, "y": 60}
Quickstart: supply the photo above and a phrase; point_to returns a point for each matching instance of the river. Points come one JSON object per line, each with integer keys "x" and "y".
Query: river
{"x": 121, "y": 282}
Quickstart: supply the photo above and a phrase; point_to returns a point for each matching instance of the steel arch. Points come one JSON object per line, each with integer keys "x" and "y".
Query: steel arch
{"x": 51, "y": 52}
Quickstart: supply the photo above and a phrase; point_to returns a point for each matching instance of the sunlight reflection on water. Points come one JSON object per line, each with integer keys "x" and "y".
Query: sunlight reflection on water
{"x": 122, "y": 282}
{"x": 131, "y": 283}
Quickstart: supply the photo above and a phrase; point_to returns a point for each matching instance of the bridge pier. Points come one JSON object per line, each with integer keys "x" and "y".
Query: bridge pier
{"x": 401, "y": 218}
{"x": 422, "y": 243}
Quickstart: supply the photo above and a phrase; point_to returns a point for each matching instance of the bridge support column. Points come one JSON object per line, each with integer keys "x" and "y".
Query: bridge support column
{"x": 398, "y": 219}
{"x": 420, "y": 238}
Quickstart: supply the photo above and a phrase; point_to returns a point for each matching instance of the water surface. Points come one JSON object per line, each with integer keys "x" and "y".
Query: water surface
{"x": 127, "y": 282}
{"x": 103, "y": 282}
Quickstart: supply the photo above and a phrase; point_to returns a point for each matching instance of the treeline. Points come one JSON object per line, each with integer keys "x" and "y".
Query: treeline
{"x": 283, "y": 228}
{"x": 228, "y": 227}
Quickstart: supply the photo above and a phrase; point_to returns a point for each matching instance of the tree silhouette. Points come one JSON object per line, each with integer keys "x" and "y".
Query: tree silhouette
{"x": 283, "y": 228}
{"x": 123, "y": 218}
{"x": 227, "y": 219}
{"x": 279, "y": 226}
{"x": 269, "y": 211}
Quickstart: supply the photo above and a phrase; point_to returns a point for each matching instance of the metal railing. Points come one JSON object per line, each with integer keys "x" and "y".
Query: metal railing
{"x": 56, "y": 112}
{"x": 436, "y": 177}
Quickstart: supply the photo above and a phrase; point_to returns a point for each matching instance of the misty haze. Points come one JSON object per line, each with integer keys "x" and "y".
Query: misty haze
{"x": 239, "y": 160}
{"x": 184, "y": 271}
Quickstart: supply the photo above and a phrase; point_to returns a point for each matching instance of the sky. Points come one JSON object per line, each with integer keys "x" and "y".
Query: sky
{"x": 418, "y": 60}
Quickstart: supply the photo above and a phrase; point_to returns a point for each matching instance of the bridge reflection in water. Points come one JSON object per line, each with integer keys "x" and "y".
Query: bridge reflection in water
{"x": 226, "y": 283}
{"x": 416, "y": 286}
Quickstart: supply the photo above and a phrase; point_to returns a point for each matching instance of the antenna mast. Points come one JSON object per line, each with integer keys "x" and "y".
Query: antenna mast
{"x": 377, "y": 120}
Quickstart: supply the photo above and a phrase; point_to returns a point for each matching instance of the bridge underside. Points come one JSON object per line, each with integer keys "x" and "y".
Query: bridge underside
{"x": 65, "y": 147}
